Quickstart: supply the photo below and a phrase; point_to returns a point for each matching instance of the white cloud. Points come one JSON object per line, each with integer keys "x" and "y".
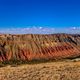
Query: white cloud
{"x": 40, "y": 27}
{"x": 28, "y": 30}
{"x": 40, "y": 30}
{"x": 73, "y": 30}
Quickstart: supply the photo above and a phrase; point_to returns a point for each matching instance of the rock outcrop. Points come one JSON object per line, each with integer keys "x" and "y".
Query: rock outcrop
{"x": 37, "y": 46}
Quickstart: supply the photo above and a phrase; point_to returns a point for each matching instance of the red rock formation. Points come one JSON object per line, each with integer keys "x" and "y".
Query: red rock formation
{"x": 33, "y": 46}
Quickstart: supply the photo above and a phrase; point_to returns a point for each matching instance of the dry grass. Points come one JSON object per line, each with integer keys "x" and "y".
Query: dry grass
{"x": 44, "y": 71}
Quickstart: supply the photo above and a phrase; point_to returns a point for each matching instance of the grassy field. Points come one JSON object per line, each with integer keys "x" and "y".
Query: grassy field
{"x": 59, "y": 70}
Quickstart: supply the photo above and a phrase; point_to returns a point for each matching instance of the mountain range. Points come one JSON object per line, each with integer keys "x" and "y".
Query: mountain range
{"x": 29, "y": 47}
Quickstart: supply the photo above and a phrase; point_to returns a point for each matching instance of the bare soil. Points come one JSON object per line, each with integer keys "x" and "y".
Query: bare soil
{"x": 62, "y": 70}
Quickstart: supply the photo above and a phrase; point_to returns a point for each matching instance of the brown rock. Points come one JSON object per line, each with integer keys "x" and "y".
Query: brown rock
{"x": 36, "y": 46}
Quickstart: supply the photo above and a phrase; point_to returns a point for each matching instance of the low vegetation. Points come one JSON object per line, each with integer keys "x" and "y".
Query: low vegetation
{"x": 60, "y": 70}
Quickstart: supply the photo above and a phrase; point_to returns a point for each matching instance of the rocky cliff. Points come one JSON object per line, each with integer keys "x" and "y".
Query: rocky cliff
{"x": 37, "y": 46}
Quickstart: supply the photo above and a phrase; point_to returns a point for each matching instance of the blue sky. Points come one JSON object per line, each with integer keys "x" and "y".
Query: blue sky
{"x": 39, "y": 16}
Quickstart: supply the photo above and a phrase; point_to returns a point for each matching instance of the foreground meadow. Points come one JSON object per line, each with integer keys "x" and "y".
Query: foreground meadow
{"x": 61, "y": 70}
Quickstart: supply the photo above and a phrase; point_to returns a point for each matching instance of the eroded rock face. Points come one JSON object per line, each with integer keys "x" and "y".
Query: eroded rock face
{"x": 33, "y": 46}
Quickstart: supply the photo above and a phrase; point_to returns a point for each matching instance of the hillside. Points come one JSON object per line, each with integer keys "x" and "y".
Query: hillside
{"x": 29, "y": 47}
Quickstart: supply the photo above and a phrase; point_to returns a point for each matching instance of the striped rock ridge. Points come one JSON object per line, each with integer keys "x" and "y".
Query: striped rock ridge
{"x": 39, "y": 46}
